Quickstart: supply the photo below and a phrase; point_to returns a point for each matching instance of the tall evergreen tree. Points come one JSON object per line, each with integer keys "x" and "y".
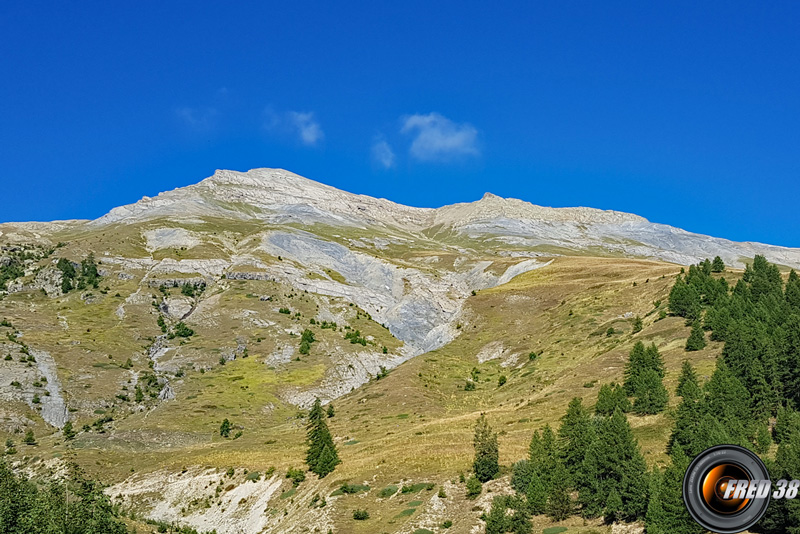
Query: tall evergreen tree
{"x": 321, "y": 456}
{"x": 637, "y": 362}
{"x": 576, "y": 434}
{"x": 486, "y": 465}
{"x": 666, "y": 511}
{"x": 687, "y": 382}
{"x": 614, "y": 463}
{"x": 717, "y": 266}
{"x": 697, "y": 338}
{"x": 651, "y": 396}
{"x": 559, "y": 503}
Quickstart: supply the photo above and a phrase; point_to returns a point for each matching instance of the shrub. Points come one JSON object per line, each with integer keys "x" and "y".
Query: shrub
{"x": 181, "y": 330}
{"x": 387, "y": 492}
{"x": 297, "y": 476}
{"x": 360, "y": 515}
{"x": 474, "y": 487}
{"x": 502, "y": 380}
{"x": 469, "y": 386}
{"x": 225, "y": 428}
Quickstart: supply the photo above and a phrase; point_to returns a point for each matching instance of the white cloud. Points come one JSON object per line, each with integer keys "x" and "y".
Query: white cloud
{"x": 309, "y": 129}
{"x": 303, "y": 125}
{"x": 435, "y": 137}
{"x": 383, "y": 154}
{"x": 201, "y": 119}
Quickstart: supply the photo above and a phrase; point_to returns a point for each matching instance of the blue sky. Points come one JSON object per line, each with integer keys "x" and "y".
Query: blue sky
{"x": 686, "y": 113}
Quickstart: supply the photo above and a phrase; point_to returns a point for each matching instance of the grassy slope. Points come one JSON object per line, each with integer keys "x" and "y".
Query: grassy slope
{"x": 415, "y": 424}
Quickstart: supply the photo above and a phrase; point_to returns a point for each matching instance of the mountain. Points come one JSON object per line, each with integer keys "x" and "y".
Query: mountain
{"x": 248, "y": 295}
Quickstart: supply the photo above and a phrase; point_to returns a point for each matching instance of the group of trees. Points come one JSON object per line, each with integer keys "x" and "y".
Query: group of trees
{"x": 596, "y": 457}
{"x": 322, "y": 456}
{"x": 86, "y": 275}
{"x": 72, "y": 504}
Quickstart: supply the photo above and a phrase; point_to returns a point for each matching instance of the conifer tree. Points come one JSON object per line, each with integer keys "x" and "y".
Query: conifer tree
{"x": 686, "y": 432}
{"x": 637, "y": 362}
{"x": 614, "y": 462}
{"x": 576, "y": 434}
{"x": 727, "y": 406}
{"x": 687, "y": 382}
{"x": 536, "y": 494}
{"x": 697, "y": 338}
{"x": 684, "y": 300}
{"x": 611, "y": 397}
{"x": 520, "y": 520}
{"x": 559, "y": 502}
{"x": 666, "y": 511}
{"x": 486, "y": 465}
{"x": 321, "y": 456}
{"x": 651, "y": 396}
{"x": 717, "y": 266}
{"x": 497, "y": 518}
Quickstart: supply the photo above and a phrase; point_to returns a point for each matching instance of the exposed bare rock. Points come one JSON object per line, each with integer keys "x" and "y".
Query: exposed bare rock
{"x": 49, "y": 279}
{"x": 54, "y": 408}
{"x": 165, "y": 494}
{"x": 177, "y": 307}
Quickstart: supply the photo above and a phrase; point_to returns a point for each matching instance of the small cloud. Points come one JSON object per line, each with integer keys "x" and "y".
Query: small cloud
{"x": 435, "y": 137}
{"x": 382, "y": 153}
{"x": 295, "y": 123}
{"x": 201, "y": 119}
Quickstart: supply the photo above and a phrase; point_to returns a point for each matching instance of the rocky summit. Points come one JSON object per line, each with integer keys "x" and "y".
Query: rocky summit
{"x": 249, "y": 295}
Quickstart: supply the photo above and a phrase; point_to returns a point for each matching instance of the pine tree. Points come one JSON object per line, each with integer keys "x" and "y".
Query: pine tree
{"x": 537, "y": 494}
{"x": 690, "y": 413}
{"x": 559, "y": 503}
{"x": 697, "y": 338}
{"x": 29, "y": 438}
{"x": 638, "y": 324}
{"x": 687, "y": 382}
{"x": 331, "y": 411}
{"x": 321, "y": 456}
{"x": 651, "y": 396}
{"x": 729, "y": 402}
{"x": 637, "y": 362}
{"x": 521, "y": 474}
{"x": 684, "y": 300}
{"x": 486, "y": 465}
{"x": 225, "y": 428}
{"x": 611, "y": 397}
{"x": 520, "y": 520}
{"x": 666, "y": 511}
{"x": 576, "y": 435}
{"x": 717, "y": 266}
{"x": 614, "y": 462}
{"x": 497, "y": 519}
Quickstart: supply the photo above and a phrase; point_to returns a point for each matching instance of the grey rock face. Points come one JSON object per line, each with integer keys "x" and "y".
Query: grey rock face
{"x": 54, "y": 408}
{"x": 279, "y": 197}
{"x": 49, "y": 279}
